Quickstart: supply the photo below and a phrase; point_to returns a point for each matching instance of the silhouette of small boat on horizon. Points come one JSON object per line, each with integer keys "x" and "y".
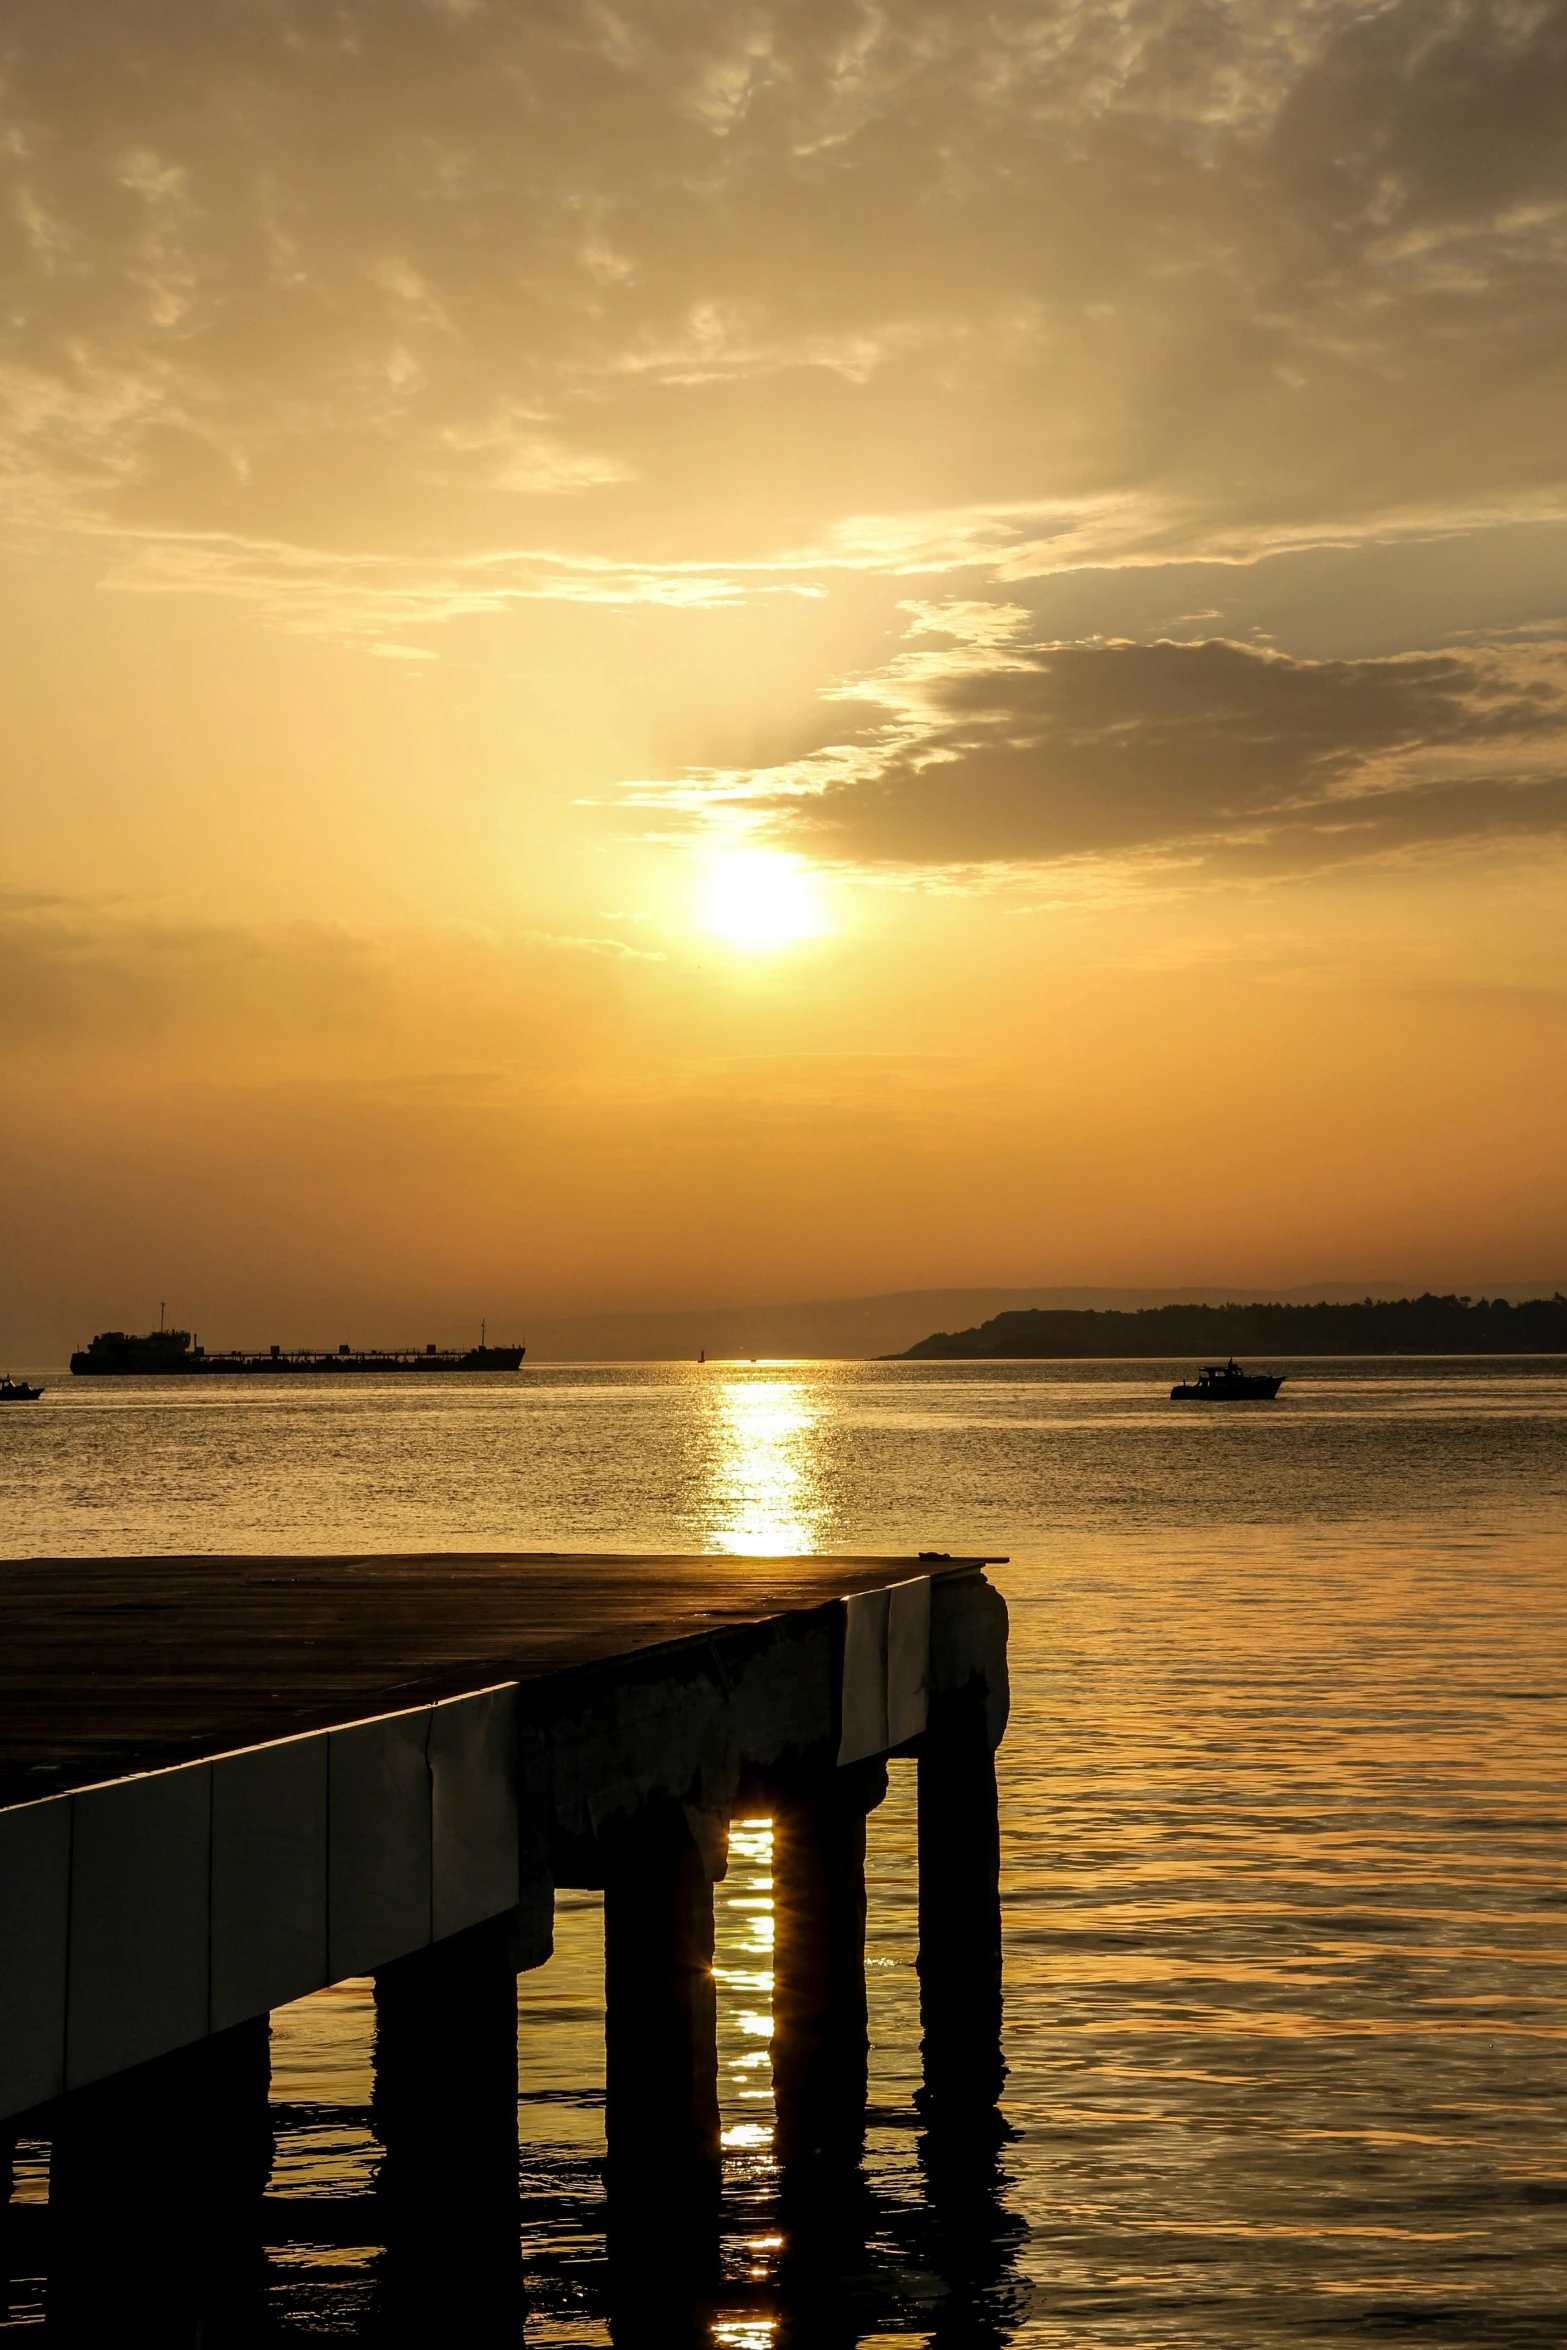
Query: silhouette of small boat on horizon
{"x": 18, "y": 1391}
{"x": 1227, "y": 1383}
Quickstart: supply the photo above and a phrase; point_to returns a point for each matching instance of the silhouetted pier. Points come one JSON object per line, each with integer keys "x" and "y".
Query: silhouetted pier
{"x": 228, "y": 1782}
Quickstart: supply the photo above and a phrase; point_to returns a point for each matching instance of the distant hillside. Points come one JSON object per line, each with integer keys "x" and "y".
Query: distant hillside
{"x": 864, "y": 1327}
{"x": 1390, "y": 1326}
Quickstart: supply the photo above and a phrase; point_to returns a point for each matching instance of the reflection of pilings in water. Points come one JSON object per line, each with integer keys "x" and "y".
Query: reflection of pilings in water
{"x": 11, "y": 2253}
{"x": 445, "y": 2111}
{"x": 662, "y": 2123}
{"x": 972, "y": 2238}
{"x": 945, "y": 2261}
{"x": 156, "y": 2186}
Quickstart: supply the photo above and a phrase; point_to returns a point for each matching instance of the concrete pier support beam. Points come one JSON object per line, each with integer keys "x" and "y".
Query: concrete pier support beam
{"x": 820, "y": 2037}
{"x": 661, "y": 2045}
{"x": 960, "y": 1917}
{"x": 157, "y": 2181}
{"x": 445, "y": 2112}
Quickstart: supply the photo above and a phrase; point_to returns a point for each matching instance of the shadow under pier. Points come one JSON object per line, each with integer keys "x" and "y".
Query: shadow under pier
{"x": 157, "y": 2188}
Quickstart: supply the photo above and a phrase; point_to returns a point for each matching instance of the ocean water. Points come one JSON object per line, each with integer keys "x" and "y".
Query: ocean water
{"x": 1282, "y": 1815}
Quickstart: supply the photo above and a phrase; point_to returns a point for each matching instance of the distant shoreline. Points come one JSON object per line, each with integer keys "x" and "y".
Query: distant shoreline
{"x": 1428, "y": 1325}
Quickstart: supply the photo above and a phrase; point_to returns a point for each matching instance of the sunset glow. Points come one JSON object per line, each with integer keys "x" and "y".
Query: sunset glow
{"x": 569, "y": 645}
{"x": 757, "y": 900}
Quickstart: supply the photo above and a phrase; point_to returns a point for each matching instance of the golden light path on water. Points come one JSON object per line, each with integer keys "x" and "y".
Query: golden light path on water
{"x": 743, "y": 1970}
{"x": 765, "y": 1499}
{"x": 762, "y": 1489}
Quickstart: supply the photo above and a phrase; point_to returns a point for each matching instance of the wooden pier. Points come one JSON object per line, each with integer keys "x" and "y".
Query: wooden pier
{"x": 230, "y": 1781}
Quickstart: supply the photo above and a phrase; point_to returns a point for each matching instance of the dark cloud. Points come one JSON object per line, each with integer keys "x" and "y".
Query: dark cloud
{"x": 1207, "y": 749}
{"x": 1418, "y": 115}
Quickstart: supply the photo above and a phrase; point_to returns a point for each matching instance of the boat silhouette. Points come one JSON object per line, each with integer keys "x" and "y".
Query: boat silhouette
{"x": 117, "y": 1354}
{"x": 18, "y": 1391}
{"x": 1227, "y": 1383}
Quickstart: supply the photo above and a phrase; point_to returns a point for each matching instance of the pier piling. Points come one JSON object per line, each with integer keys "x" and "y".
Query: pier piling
{"x": 445, "y": 2112}
{"x": 660, "y": 2029}
{"x": 821, "y": 2041}
{"x": 959, "y": 1916}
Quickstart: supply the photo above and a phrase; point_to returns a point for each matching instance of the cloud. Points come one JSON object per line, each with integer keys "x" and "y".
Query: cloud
{"x": 327, "y": 313}
{"x": 319, "y": 592}
{"x": 992, "y": 753}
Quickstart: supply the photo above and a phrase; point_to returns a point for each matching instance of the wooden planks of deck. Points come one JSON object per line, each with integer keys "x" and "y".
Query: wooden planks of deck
{"x": 115, "y": 1664}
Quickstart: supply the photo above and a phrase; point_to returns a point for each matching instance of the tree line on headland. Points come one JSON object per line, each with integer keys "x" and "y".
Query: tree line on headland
{"x": 1407, "y": 1325}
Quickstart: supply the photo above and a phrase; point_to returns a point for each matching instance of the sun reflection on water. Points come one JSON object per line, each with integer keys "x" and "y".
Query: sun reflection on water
{"x": 764, "y": 1490}
{"x": 743, "y": 1971}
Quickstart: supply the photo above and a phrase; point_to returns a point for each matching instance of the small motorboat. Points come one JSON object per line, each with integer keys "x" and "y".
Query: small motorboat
{"x": 1227, "y": 1383}
{"x": 18, "y": 1391}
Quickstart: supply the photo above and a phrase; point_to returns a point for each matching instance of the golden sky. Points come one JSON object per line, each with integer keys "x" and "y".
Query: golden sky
{"x": 657, "y": 653}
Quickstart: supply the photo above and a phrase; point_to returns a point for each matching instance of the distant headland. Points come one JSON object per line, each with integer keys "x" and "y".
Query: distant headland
{"x": 1389, "y": 1326}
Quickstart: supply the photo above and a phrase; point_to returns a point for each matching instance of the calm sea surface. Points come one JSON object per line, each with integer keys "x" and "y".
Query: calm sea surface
{"x": 1282, "y": 1816}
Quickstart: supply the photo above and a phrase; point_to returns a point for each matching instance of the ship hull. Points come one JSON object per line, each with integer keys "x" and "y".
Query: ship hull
{"x": 1247, "y": 1390}
{"x": 127, "y": 1364}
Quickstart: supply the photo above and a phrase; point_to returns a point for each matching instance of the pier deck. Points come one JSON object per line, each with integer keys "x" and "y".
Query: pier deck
{"x": 109, "y": 1665}
{"x": 227, "y": 1782}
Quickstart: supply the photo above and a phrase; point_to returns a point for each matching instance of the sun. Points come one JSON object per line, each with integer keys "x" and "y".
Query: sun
{"x": 759, "y": 898}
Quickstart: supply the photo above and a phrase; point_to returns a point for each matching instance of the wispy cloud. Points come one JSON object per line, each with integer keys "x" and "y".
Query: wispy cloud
{"x": 330, "y": 319}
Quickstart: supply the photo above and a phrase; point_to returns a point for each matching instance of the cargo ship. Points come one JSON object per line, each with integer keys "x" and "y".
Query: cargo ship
{"x": 164, "y": 1354}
